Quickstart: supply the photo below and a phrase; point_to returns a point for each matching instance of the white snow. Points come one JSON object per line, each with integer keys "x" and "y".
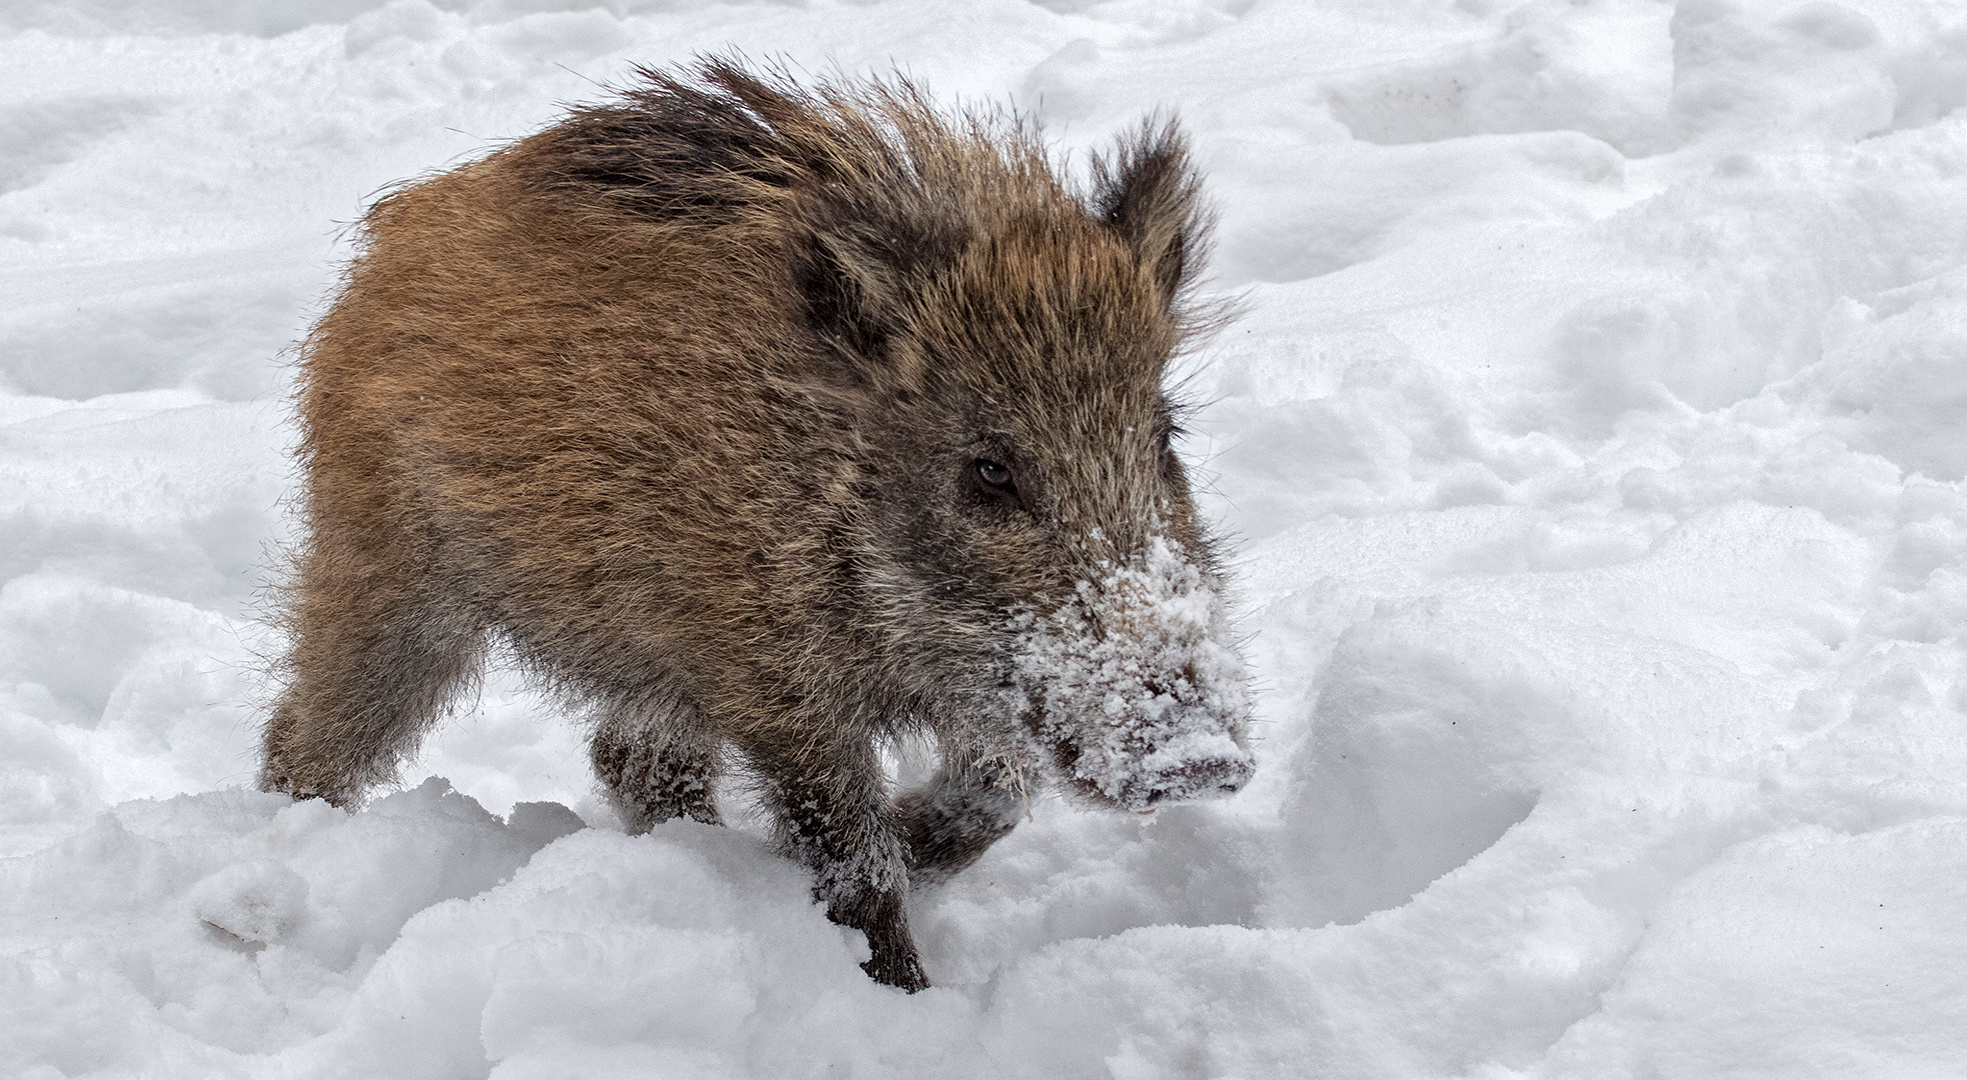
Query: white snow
{"x": 1594, "y": 434}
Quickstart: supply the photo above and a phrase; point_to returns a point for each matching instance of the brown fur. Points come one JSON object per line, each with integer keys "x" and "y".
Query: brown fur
{"x": 684, "y": 398}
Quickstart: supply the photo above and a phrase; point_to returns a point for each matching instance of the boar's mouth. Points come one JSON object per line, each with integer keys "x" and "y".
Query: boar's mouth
{"x": 1133, "y": 688}
{"x": 1179, "y": 776}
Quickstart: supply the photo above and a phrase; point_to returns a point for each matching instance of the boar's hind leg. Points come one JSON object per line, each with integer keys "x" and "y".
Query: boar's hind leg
{"x": 833, "y": 815}
{"x": 374, "y": 663}
{"x": 949, "y": 824}
{"x": 656, "y": 765}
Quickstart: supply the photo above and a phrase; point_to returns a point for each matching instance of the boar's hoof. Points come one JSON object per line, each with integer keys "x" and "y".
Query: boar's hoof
{"x": 883, "y": 917}
{"x": 903, "y": 970}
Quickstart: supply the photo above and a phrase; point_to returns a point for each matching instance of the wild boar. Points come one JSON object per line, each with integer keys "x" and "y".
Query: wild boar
{"x": 764, "y": 423}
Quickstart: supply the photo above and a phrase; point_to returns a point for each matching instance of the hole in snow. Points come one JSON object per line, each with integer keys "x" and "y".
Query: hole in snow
{"x": 1415, "y": 770}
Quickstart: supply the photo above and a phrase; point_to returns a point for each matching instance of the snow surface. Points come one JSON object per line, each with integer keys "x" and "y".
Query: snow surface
{"x": 1595, "y": 435}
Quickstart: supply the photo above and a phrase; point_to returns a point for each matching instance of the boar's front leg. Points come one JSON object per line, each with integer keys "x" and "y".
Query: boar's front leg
{"x": 949, "y": 824}
{"x": 656, "y": 762}
{"x": 833, "y": 815}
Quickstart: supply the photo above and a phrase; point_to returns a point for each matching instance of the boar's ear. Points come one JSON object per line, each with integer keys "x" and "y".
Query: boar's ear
{"x": 1149, "y": 192}
{"x": 860, "y": 274}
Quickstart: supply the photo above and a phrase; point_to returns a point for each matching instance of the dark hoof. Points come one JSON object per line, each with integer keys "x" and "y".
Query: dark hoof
{"x": 904, "y": 972}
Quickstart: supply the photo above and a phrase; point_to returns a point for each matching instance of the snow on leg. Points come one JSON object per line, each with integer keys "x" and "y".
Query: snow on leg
{"x": 656, "y": 765}
{"x": 834, "y": 817}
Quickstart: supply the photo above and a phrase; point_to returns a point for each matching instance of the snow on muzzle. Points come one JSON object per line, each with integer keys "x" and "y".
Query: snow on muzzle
{"x": 1138, "y": 695}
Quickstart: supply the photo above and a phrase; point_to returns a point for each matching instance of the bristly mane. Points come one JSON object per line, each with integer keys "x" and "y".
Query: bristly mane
{"x": 864, "y": 184}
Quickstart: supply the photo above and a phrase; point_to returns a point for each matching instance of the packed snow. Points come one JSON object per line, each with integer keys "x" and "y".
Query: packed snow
{"x": 1593, "y": 436}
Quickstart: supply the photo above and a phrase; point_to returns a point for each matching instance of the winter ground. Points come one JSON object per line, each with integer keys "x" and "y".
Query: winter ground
{"x": 1594, "y": 433}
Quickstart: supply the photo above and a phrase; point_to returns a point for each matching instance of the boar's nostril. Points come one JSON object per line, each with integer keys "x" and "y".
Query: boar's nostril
{"x": 1181, "y": 686}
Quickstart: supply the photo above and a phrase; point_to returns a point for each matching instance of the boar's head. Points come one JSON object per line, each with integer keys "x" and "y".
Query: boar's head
{"x": 1029, "y": 540}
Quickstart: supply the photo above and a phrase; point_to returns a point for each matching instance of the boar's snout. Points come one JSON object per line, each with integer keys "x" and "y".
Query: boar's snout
{"x": 1192, "y": 781}
{"x": 1138, "y": 691}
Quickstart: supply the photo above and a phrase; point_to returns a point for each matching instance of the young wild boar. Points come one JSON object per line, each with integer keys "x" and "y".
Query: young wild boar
{"x": 768, "y": 423}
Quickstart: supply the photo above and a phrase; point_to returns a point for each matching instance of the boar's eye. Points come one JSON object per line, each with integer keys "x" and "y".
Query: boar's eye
{"x": 994, "y": 478}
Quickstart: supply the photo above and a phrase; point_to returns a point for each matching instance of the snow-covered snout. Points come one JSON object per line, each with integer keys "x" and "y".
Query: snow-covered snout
{"x": 1137, "y": 693}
